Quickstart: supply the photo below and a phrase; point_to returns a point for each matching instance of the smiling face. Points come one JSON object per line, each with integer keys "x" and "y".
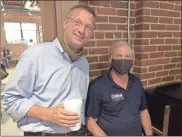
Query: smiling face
{"x": 78, "y": 28}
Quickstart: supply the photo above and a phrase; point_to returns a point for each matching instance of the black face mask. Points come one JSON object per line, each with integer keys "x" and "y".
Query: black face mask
{"x": 121, "y": 66}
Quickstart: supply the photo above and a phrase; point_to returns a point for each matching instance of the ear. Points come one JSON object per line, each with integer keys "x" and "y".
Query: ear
{"x": 64, "y": 23}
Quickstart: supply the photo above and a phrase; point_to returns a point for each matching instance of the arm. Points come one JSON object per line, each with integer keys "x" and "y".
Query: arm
{"x": 16, "y": 102}
{"x": 145, "y": 117}
{"x": 93, "y": 110}
{"x": 94, "y": 128}
{"x": 56, "y": 115}
{"x": 146, "y": 122}
{"x": 15, "y": 97}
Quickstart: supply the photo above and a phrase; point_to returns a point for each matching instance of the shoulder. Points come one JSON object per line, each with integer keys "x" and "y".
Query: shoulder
{"x": 100, "y": 81}
{"x": 98, "y": 85}
{"x": 83, "y": 65}
{"x": 137, "y": 83}
{"x": 37, "y": 50}
{"x": 136, "y": 79}
{"x": 84, "y": 60}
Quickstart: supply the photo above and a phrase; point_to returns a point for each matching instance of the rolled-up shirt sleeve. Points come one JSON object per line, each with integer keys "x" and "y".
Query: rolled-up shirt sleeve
{"x": 18, "y": 90}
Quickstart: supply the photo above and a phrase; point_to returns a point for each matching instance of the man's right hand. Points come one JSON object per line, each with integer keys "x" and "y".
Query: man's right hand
{"x": 56, "y": 115}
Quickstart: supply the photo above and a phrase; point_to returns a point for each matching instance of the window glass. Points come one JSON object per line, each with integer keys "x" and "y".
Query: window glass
{"x": 17, "y": 32}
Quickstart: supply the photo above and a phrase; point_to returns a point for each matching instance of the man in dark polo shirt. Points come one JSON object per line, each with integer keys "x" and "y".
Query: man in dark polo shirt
{"x": 116, "y": 100}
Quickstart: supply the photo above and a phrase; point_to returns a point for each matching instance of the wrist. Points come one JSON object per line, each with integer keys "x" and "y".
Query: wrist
{"x": 44, "y": 114}
{"x": 37, "y": 112}
{"x": 150, "y": 134}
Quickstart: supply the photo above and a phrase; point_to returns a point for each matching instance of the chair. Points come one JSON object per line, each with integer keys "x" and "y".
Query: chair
{"x": 164, "y": 132}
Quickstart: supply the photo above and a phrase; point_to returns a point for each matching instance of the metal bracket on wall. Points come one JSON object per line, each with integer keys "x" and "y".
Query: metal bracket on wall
{"x": 131, "y": 27}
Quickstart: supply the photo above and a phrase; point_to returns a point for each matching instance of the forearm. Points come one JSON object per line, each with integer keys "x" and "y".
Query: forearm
{"x": 94, "y": 128}
{"x": 16, "y": 98}
{"x": 15, "y": 106}
{"x": 146, "y": 122}
{"x": 38, "y": 112}
{"x": 18, "y": 107}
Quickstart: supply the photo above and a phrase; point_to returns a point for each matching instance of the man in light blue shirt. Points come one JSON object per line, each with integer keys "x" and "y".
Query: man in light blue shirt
{"x": 47, "y": 74}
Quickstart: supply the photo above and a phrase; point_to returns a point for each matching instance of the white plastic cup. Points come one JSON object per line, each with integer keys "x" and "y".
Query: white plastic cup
{"x": 74, "y": 105}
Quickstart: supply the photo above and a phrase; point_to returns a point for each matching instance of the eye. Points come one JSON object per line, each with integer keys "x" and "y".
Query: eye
{"x": 128, "y": 56}
{"x": 77, "y": 22}
{"x": 89, "y": 28}
{"x": 118, "y": 56}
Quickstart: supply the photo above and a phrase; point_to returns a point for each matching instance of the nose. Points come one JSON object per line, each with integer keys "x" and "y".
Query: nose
{"x": 81, "y": 29}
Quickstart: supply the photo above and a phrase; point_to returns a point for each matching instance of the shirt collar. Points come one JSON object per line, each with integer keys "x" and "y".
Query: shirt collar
{"x": 58, "y": 45}
{"x": 114, "y": 84}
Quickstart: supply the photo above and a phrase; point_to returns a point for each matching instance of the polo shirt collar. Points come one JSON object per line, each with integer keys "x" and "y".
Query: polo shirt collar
{"x": 117, "y": 86}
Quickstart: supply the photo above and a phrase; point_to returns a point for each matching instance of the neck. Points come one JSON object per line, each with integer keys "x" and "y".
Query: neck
{"x": 73, "y": 54}
{"x": 121, "y": 78}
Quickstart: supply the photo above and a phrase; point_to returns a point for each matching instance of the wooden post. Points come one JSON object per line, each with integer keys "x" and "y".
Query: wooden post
{"x": 48, "y": 16}
{"x": 3, "y": 38}
{"x": 53, "y": 14}
{"x": 62, "y": 8}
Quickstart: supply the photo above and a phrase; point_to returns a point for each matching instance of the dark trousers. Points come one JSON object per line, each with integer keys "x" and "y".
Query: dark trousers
{"x": 80, "y": 132}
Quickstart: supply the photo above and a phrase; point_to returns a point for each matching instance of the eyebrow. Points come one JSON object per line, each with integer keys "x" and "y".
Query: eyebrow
{"x": 128, "y": 54}
{"x": 122, "y": 54}
{"x": 90, "y": 25}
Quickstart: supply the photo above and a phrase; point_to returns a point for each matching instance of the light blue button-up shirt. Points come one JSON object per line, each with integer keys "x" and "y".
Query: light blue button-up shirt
{"x": 44, "y": 76}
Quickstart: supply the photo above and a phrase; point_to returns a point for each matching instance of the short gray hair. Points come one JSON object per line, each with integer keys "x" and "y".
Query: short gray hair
{"x": 82, "y": 6}
{"x": 120, "y": 43}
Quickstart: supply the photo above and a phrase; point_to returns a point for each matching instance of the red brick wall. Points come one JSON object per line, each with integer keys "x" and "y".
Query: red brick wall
{"x": 111, "y": 25}
{"x": 158, "y": 41}
{"x": 155, "y": 34}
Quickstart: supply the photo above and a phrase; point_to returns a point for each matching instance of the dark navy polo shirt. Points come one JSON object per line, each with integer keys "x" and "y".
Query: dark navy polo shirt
{"x": 117, "y": 109}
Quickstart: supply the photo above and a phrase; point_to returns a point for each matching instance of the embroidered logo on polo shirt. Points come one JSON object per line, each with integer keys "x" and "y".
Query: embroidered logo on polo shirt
{"x": 117, "y": 96}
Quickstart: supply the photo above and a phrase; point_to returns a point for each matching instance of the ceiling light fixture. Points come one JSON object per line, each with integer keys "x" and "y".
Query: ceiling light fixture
{"x": 31, "y": 5}
{"x": 27, "y": 4}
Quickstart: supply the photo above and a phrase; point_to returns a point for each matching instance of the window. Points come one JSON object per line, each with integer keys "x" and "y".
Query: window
{"x": 17, "y": 32}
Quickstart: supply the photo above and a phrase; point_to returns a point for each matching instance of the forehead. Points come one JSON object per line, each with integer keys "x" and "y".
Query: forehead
{"x": 122, "y": 49}
{"x": 83, "y": 15}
